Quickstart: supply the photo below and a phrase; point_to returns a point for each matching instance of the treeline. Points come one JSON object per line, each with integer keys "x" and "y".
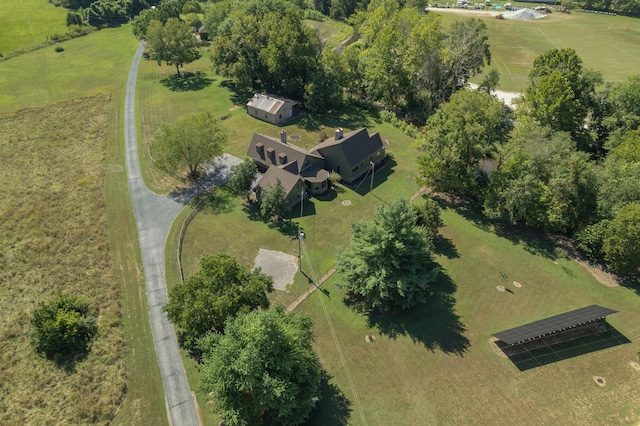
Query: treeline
{"x": 623, "y": 7}
{"x": 566, "y": 162}
{"x": 402, "y": 58}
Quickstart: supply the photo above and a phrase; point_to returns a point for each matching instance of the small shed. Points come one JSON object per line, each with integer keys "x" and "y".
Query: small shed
{"x": 272, "y": 109}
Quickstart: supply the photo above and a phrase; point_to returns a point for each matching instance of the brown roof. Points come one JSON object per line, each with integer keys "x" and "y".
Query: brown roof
{"x": 287, "y": 179}
{"x": 356, "y": 145}
{"x": 261, "y": 144}
{"x": 314, "y": 174}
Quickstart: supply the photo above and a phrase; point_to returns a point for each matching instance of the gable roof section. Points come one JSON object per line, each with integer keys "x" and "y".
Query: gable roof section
{"x": 356, "y": 145}
{"x": 268, "y": 103}
{"x": 287, "y": 179}
{"x": 283, "y": 153}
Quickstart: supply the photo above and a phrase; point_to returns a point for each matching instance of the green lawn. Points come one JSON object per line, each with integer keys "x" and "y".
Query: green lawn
{"x": 609, "y": 44}
{"x": 434, "y": 364}
{"x": 331, "y": 32}
{"x": 26, "y": 23}
{"x": 91, "y": 67}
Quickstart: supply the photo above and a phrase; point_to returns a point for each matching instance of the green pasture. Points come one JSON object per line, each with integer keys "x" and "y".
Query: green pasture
{"x": 26, "y": 23}
{"x": 91, "y": 67}
{"x": 331, "y": 32}
{"x": 609, "y": 44}
{"x": 434, "y": 364}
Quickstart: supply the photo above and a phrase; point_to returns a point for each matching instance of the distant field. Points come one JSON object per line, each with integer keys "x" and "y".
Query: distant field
{"x": 609, "y": 44}
{"x": 28, "y": 22}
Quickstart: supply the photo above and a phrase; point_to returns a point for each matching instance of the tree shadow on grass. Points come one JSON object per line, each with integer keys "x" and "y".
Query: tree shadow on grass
{"x": 188, "y": 82}
{"x": 239, "y": 95}
{"x": 220, "y": 200}
{"x": 445, "y": 247}
{"x": 532, "y": 240}
{"x": 433, "y": 324}
{"x": 334, "y": 408}
{"x": 632, "y": 283}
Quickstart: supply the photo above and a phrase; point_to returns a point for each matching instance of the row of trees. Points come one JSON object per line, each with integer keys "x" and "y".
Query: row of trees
{"x": 403, "y": 58}
{"x": 567, "y": 162}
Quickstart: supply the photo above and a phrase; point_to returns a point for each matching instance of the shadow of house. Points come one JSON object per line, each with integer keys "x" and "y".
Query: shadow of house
{"x": 307, "y": 172}
{"x": 433, "y": 324}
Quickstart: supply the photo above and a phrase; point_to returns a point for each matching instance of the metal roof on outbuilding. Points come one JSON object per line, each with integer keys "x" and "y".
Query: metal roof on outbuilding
{"x": 554, "y": 324}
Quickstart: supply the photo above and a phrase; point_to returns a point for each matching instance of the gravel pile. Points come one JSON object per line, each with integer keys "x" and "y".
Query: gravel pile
{"x": 523, "y": 15}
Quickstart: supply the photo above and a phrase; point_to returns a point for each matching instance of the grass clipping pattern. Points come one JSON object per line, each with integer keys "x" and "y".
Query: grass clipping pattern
{"x": 54, "y": 237}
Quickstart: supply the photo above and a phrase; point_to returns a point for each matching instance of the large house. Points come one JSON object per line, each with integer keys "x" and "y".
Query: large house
{"x": 274, "y": 109}
{"x": 351, "y": 155}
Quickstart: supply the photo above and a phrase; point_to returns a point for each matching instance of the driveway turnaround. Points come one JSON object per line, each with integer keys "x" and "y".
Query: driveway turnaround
{"x": 154, "y": 215}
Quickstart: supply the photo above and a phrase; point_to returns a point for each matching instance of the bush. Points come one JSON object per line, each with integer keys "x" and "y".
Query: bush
{"x": 62, "y": 327}
{"x": 314, "y": 15}
{"x": 59, "y": 49}
{"x": 589, "y": 240}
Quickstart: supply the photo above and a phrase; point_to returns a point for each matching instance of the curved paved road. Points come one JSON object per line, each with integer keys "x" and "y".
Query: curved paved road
{"x": 154, "y": 215}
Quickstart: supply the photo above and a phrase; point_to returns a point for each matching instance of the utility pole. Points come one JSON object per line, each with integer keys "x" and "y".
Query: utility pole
{"x": 300, "y": 233}
{"x": 373, "y": 171}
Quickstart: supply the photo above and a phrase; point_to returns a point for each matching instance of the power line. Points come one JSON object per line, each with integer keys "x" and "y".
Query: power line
{"x": 334, "y": 336}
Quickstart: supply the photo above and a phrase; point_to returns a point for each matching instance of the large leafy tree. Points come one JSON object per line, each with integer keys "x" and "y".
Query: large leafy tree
{"x": 187, "y": 142}
{"x": 462, "y": 132}
{"x": 172, "y": 42}
{"x": 63, "y": 327}
{"x": 244, "y": 174}
{"x": 388, "y": 263}
{"x": 619, "y": 185}
{"x": 561, "y": 93}
{"x": 264, "y": 45}
{"x": 622, "y": 241}
{"x": 219, "y": 291}
{"x": 263, "y": 370}
{"x": 622, "y": 113}
{"x": 543, "y": 182}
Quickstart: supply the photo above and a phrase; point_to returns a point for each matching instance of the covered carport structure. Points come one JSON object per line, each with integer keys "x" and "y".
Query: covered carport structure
{"x": 556, "y": 338}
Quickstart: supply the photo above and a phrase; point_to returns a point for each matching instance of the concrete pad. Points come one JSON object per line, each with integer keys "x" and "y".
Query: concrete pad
{"x": 278, "y": 265}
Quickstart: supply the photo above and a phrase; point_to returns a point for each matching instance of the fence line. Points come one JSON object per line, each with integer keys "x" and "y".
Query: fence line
{"x": 183, "y": 231}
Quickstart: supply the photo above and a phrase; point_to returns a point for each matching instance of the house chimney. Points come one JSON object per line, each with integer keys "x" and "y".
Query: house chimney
{"x": 338, "y": 134}
{"x": 283, "y": 136}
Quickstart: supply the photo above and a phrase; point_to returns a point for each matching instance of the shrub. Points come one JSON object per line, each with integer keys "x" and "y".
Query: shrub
{"x": 62, "y": 327}
{"x": 59, "y": 49}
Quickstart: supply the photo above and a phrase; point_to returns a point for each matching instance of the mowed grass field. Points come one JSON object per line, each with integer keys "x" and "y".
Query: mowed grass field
{"x": 66, "y": 212}
{"x": 609, "y": 44}
{"x": 26, "y": 23}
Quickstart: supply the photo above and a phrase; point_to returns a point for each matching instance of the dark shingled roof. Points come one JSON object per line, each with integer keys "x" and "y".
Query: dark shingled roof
{"x": 554, "y": 324}
{"x": 356, "y": 145}
{"x": 281, "y": 150}
{"x": 287, "y": 179}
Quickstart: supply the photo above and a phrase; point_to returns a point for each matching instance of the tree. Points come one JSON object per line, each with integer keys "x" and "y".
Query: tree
{"x": 173, "y": 43}
{"x": 244, "y": 174}
{"x": 62, "y": 327}
{"x": 272, "y": 200}
{"x": 622, "y": 241}
{"x": 462, "y": 132}
{"x": 263, "y": 370}
{"x": 428, "y": 216}
{"x": 623, "y": 110}
{"x": 219, "y": 291}
{"x": 187, "y": 142}
{"x": 388, "y": 263}
{"x": 490, "y": 81}
{"x": 264, "y": 45}
{"x": 561, "y": 93}
{"x": 543, "y": 182}
{"x": 619, "y": 185}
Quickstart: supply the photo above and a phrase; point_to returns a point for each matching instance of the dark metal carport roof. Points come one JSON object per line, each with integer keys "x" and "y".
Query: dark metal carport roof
{"x": 553, "y": 324}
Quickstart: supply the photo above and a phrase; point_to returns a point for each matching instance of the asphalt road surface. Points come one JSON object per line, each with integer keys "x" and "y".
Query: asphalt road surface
{"x": 154, "y": 215}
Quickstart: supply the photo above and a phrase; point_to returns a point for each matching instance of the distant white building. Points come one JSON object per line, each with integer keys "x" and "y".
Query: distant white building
{"x": 273, "y": 109}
